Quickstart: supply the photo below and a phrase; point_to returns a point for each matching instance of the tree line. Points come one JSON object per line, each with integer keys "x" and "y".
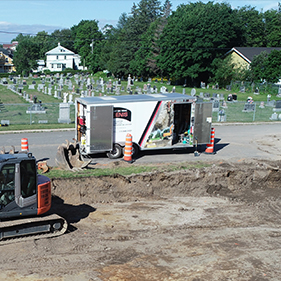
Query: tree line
{"x": 186, "y": 45}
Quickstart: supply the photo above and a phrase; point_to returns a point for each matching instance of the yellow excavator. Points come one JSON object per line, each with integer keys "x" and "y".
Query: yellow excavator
{"x": 25, "y": 199}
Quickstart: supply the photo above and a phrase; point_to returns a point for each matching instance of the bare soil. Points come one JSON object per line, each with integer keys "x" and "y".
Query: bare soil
{"x": 216, "y": 223}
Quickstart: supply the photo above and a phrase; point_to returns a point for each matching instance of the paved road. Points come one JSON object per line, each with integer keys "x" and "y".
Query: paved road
{"x": 232, "y": 142}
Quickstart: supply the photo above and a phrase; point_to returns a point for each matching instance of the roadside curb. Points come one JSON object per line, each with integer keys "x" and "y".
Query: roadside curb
{"x": 37, "y": 131}
{"x": 242, "y": 124}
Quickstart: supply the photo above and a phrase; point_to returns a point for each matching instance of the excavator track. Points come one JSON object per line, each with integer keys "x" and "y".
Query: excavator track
{"x": 31, "y": 228}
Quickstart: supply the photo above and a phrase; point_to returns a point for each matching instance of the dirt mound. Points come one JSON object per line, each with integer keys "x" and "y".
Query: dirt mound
{"x": 247, "y": 181}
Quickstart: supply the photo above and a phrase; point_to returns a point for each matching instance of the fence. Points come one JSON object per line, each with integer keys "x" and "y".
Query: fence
{"x": 245, "y": 112}
{"x": 17, "y": 114}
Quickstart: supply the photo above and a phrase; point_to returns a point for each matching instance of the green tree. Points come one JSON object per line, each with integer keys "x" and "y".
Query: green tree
{"x": 106, "y": 46}
{"x": 194, "y": 36}
{"x": 44, "y": 43}
{"x": 26, "y": 54}
{"x": 272, "y": 70}
{"x": 146, "y": 56}
{"x": 257, "y": 67}
{"x": 223, "y": 71}
{"x": 272, "y": 19}
{"x": 127, "y": 37}
{"x": 87, "y": 42}
{"x": 253, "y": 27}
{"x": 64, "y": 37}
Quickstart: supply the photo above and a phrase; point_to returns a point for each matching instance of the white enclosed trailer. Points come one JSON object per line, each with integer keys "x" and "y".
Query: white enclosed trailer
{"x": 156, "y": 121}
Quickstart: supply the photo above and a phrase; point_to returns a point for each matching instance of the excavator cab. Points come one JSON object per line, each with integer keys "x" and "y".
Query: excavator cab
{"x": 18, "y": 186}
{"x": 24, "y": 197}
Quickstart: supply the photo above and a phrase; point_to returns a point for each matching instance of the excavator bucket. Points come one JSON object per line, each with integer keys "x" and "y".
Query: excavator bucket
{"x": 68, "y": 157}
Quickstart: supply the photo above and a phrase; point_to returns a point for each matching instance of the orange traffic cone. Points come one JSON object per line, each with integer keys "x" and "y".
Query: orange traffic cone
{"x": 210, "y": 146}
{"x": 128, "y": 149}
{"x": 24, "y": 144}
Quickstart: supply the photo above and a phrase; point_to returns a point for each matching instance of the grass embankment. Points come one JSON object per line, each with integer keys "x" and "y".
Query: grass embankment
{"x": 126, "y": 170}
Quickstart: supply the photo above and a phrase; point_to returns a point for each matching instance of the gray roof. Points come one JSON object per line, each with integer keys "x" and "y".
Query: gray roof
{"x": 5, "y": 52}
{"x": 134, "y": 98}
{"x": 248, "y": 53}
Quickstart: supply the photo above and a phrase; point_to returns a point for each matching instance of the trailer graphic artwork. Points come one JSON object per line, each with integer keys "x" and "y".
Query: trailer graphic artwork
{"x": 162, "y": 132}
{"x": 172, "y": 125}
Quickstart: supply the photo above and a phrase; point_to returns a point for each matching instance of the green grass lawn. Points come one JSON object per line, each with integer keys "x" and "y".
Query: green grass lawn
{"x": 15, "y": 106}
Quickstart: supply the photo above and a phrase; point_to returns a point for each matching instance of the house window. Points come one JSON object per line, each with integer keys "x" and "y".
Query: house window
{"x": 52, "y": 65}
{"x": 65, "y": 57}
{"x": 59, "y": 65}
{"x": 57, "y": 57}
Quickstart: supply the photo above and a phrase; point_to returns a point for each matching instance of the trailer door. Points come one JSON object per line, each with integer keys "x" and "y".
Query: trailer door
{"x": 203, "y": 122}
{"x": 101, "y": 128}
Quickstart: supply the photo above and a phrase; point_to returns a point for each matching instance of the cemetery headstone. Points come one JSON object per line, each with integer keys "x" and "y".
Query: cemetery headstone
{"x": 249, "y": 107}
{"x": 163, "y": 89}
{"x": 242, "y": 89}
{"x": 36, "y": 108}
{"x": 221, "y": 116}
{"x": 277, "y": 106}
{"x": 224, "y": 104}
{"x": 193, "y": 92}
{"x": 70, "y": 100}
{"x": 203, "y": 85}
{"x": 274, "y": 116}
{"x": 64, "y": 113}
{"x": 279, "y": 92}
{"x": 206, "y": 96}
{"x": 271, "y": 103}
{"x": 216, "y": 105}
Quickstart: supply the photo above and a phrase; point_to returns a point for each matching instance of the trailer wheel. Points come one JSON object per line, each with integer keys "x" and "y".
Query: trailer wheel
{"x": 116, "y": 152}
{"x": 135, "y": 150}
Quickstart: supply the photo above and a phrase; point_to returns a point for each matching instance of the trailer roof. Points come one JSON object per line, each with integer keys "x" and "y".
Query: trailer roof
{"x": 134, "y": 98}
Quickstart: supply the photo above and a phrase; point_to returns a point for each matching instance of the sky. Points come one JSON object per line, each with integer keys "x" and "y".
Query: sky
{"x": 32, "y": 16}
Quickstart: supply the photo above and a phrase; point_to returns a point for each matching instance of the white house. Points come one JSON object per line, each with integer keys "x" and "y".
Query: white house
{"x": 61, "y": 58}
